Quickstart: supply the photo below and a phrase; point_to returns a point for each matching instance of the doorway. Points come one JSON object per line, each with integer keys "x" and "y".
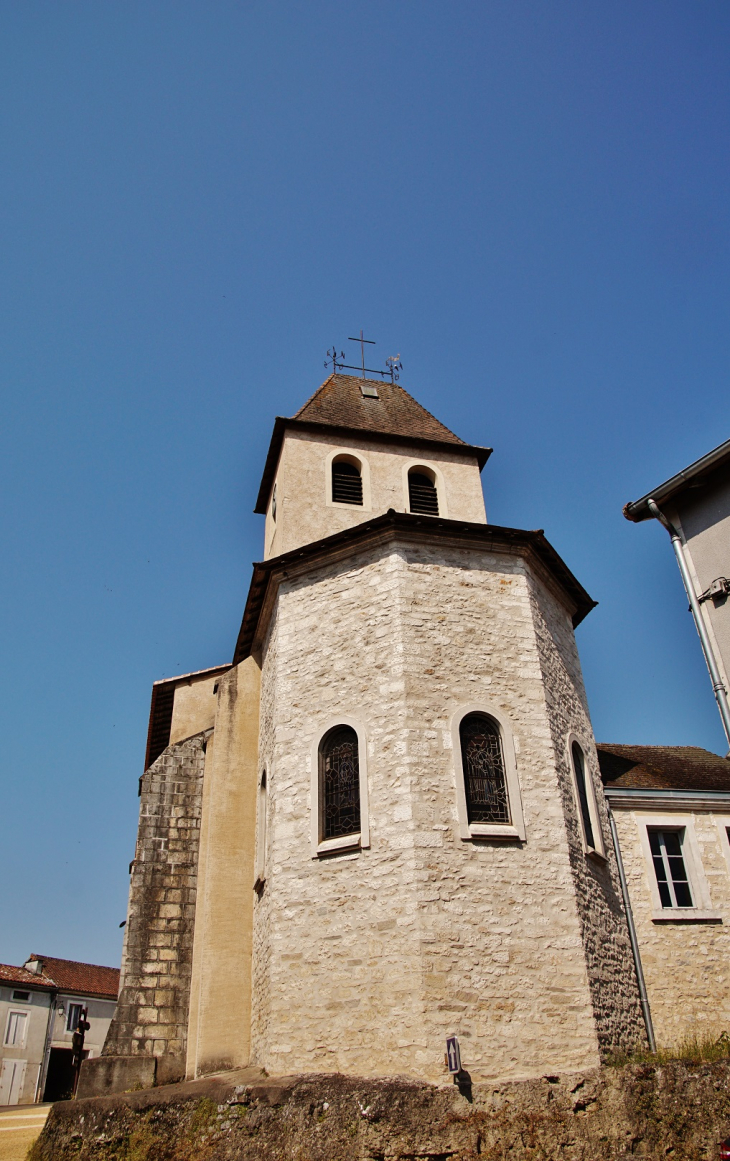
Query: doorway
{"x": 60, "y": 1078}
{"x": 11, "y": 1081}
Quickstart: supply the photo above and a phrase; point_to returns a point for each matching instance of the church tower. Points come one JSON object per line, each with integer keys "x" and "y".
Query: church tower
{"x": 402, "y": 831}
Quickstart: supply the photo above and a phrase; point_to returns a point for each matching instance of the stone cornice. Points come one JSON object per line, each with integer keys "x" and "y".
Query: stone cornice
{"x": 639, "y": 798}
{"x": 414, "y": 529}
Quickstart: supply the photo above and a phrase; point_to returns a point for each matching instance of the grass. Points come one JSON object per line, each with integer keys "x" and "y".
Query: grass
{"x": 692, "y": 1050}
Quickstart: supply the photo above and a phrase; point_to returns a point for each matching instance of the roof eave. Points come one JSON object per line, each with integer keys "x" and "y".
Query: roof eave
{"x": 481, "y": 454}
{"x": 407, "y": 523}
{"x": 638, "y": 510}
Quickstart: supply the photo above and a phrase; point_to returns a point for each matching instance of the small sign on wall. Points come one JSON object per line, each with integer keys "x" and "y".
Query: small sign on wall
{"x": 453, "y": 1054}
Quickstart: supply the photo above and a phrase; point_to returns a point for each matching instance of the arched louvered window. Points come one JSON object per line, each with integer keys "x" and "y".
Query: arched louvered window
{"x": 485, "y": 782}
{"x": 339, "y": 783}
{"x": 346, "y": 483}
{"x": 579, "y": 768}
{"x": 422, "y": 494}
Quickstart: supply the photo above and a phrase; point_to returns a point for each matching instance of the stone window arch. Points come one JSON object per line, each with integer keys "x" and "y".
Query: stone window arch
{"x": 589, "y": 820}
{"x": 423, "y": 494}
{"x": 488, "y": 799}
{"x": 339, "y": 788}
{"x": 262, "y": 806}
{"x": 424, "y": 490}
{"x": 347, "y": 480}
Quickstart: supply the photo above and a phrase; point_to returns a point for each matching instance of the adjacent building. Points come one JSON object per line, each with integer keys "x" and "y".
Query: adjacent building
{"x": 40, "y": 1004}
{"x": 694, "y": 506}
{"x": 671, "y": 806}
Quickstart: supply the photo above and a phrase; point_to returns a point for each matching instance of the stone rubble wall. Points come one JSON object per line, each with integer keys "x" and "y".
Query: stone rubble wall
{"x": 607, "y": 949}
{"x": 152, "y": 1011}
{"x": 679, "y": 1111}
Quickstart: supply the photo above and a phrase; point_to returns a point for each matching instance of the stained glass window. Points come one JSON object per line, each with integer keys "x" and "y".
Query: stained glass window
{"x": 339, "y": 779}
{"x": 484, "y": 774}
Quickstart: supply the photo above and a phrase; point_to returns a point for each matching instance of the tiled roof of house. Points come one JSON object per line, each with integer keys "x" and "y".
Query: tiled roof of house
{"x": 663, "y": 768}
{"x": 88, "y": 979}
{"x": 341, "y": 403}
{"x": 18, "y": 975}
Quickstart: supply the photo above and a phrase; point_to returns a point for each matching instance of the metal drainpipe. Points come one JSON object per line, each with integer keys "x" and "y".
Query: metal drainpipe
{"x": 717, "y": 685}
{"x": 643, "y": 998}
{"x": 43, "y": 1070}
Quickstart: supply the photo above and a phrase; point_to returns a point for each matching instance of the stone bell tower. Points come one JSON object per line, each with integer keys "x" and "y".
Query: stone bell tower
{"x": 402, "y": 832}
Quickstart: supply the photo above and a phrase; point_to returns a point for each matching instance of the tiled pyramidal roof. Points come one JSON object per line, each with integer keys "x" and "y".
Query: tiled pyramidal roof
{"x": 663, "y": 768}
{"x": 339, "y": 402}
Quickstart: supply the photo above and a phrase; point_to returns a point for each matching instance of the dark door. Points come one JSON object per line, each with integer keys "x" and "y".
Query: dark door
{"x": 60, "y": 1079}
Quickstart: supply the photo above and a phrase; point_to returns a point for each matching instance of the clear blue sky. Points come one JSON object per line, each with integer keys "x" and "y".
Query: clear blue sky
{"x": 528, "y": 201}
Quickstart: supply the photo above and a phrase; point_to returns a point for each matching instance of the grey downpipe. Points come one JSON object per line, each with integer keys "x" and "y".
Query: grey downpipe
{"x": 643, "y": 998}
{"x": 717, "y": 684}
{"x": 43, "y": 1070}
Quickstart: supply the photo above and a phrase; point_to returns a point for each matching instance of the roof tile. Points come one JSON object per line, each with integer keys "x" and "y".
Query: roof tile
{"x": 85, "y": 978}
{"x": 663, "y": 768}
{"x": 340, "y": 403}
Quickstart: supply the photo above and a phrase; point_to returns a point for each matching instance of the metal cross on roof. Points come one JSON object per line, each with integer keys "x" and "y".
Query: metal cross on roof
{"x": 362, "y": 343}
{"x": 336, "y": 359}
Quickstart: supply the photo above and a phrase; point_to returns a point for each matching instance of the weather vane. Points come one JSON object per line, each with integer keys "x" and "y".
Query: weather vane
{"x": 335, "y": 359}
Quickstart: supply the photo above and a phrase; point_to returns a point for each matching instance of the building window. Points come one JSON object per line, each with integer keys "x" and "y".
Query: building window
{"x": 73, "y": 1016}
{"x": 339, "y": 782}
{"x": 579, "y": 769}
{"x": 346, "y": 483}
{"x": 273, "y": 504}
{"x": 422, "y": 494}
{"x": 16, "y": 1030}
{"x": 261, "y": 835}
{"x": 669, "y": 867}
{"x": 485, "y": 783}
{"x": 24, "y": 997}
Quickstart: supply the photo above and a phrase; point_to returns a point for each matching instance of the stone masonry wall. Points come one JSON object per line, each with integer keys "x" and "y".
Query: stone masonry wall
{"x": 365, "y": 961}
{"x": 611, "y": 974}
{"x": 152, "y": 1012}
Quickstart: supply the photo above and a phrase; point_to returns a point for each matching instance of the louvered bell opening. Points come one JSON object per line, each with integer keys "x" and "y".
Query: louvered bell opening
{"x": 346, "y": 483}
{"x": 422, "y": 495}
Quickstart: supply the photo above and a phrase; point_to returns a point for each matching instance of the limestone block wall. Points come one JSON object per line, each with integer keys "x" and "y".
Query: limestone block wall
{"x": 220, "y": 993}
{"x": 152, "y": 1011}
{"x": 365, "y": 961}
{"x": 611, "y": 975}
{"x": 303, "y": 514}
{"x": 686, "y": 963}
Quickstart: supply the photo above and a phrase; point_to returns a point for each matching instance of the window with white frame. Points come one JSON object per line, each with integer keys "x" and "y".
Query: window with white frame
{"x": 585, "y": 794}
{"x": 16, "y": 1029}
{"x": 73, "y": 1015}
{"x": 488, "y": 802}
{"x": 669, "y": 867}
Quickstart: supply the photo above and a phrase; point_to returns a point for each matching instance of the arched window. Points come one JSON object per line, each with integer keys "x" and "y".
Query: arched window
{"x": 485, "y": 782}
{"x": 346, "y": 483}
{"x": 422, "y": 494}
{"x": 339, "y": 783}
{"x": 261, "y": 820}
{"x": 579, "y": 768}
